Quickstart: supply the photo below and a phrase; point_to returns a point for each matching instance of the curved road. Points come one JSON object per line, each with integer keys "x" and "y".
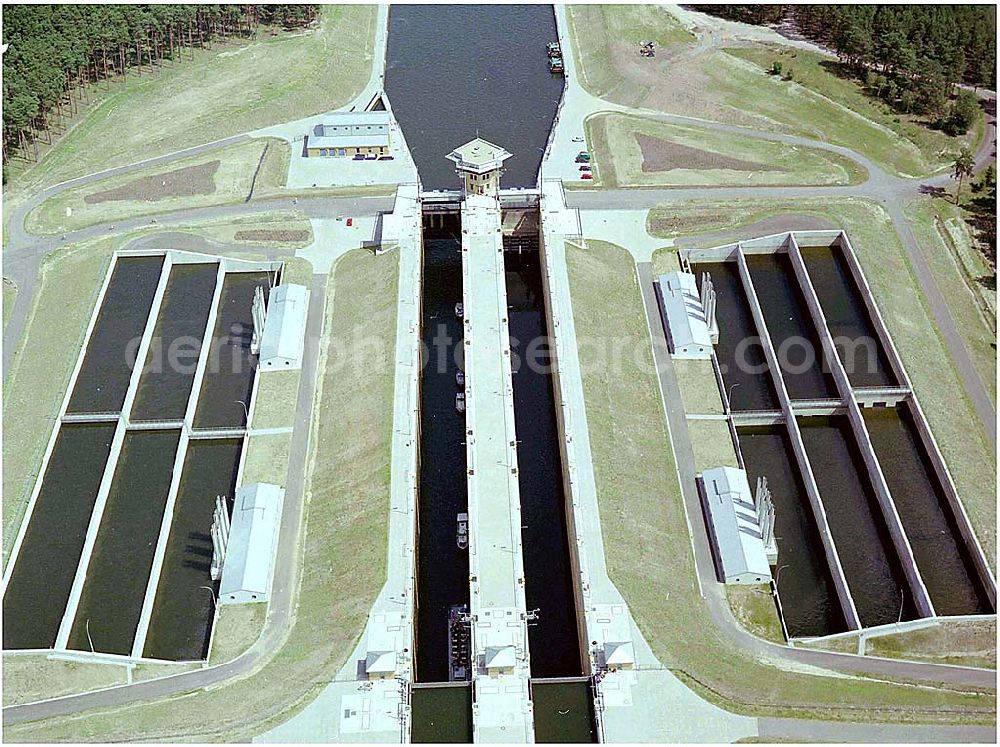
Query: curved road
{"x": 23, "y": 256}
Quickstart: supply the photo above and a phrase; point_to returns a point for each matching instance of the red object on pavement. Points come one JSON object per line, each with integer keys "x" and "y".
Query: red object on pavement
{"x": 350, "y": 222}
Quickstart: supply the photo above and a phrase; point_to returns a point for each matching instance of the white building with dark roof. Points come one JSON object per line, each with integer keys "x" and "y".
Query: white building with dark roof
{"x": 735, "y": 527}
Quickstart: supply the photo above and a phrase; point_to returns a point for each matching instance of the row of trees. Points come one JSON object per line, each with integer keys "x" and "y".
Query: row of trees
{"x": 910, "y": 56}
{"x": 54, "y": 50}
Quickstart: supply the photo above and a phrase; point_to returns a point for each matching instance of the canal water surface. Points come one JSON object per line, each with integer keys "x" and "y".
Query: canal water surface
{"x": 457, "y": 71}
{"x": 442, "y": 568}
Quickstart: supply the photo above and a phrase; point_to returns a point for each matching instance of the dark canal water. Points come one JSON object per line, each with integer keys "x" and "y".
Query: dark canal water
{"x": 847, "y": 318}
{"x": 455, "y": 71}
{"x": 944, "y": 562}
{"x": 808, "y": 598}
{"x": 107, "y": 365}
{"x": 443, "y": 569}
{"x": 740, "y": 353}
{"x": 40, "y": 583}
{"x": 168, "y": 373}
{"x": 441, "y": 714}
{"x": 181, "y": 621}
{"x": 552, "y": 638}
{"x": 792, "y": 331}
{"x": 230, "y": 368}
{"x": 873, "y": 570}
{"x": 111, "y": 600}
{"x": 564, "y": 712}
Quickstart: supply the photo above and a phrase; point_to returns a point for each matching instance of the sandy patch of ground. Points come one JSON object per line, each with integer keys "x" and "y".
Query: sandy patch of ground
{"x": 664, "y": 155}
{"x": 264, "y": 234}
{"x": 186, "y": 182}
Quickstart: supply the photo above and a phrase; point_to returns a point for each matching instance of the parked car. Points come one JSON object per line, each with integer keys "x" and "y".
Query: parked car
{"x": 359, "y": 156}
{"x": 583, "y": 157}
{"x": 585, "y": 167}
{"x": 371, "y": 157}
{"x": 385, "y": 158}
{"x": 586, "y": 175}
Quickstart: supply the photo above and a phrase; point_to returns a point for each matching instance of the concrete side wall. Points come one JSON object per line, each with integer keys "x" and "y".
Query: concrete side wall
{"x": 798, "y": 447}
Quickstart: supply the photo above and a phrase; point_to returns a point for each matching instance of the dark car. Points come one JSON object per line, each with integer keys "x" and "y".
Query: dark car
{"x": 385, "y": 158}
{"x": 359, "y": 156}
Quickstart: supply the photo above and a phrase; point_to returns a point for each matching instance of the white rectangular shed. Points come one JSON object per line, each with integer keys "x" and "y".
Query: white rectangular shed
{"x": 735, "y": 528}
{"x": 684, "y": 316}
{"x": 283, "y": 340}
{"x": 253, "y": 539}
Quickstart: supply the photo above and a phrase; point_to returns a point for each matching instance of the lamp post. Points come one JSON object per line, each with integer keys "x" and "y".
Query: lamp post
{"x": 246, "y": 410}
{"x": 89, "y": 639}
{"x": 211, "y": 591}
{"x": 729, "y": 396}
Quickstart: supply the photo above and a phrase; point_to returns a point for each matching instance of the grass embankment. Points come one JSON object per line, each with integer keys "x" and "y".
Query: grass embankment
{"x": 276, "y": 228}
{"x": 962, "y": 439}
{"x": 343, "y": 551}
{"x": 9, "y": 297}
{"x": 217, "y": 177}
{"x": 966, "y": 280}
{"x": 69, "y": 283}
{"x": 636, "y": 152}
{"x": 754, "y": 608}
{"x": 970, "y": 643}
{"x": 31, "y": 677}
{"x": 602, "y": 34}
{"x": 236, "y": 629}
{"x": 213, "y": 93}
{"x": 931, "y": 149}
{"x": 655, "y": 571}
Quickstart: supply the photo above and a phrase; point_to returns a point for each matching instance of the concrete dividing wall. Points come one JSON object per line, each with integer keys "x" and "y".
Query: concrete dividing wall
{"x": 901, "y": 543}
{"x": 798, "y": 447}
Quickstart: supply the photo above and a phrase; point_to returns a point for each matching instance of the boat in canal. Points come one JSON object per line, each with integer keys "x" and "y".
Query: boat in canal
{"x": 556, "y": 65}
{"x": 460, "y": 378}
{"x": 459, "y": 310}
{"x": 459, "y": 637}
{"x": 462, "y": 533}
{"x": 554, "y": 50}
{"x": 460, "y": 403}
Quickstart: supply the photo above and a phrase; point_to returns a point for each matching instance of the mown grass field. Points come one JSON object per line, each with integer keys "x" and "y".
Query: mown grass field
{"x": 706, "y": 158}
{"x": 935, "y": 149}
{"x": 231, "y": 88}
{"x": 633, "y": 460}
{"x": 231, "y": 183}
{"x": 725, "y": 79}
{"x": 603, "y": 33}
{"x": 342, "y": 550}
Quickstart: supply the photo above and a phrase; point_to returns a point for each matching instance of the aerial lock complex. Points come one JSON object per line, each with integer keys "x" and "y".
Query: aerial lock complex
{"x": 499, "y": 374}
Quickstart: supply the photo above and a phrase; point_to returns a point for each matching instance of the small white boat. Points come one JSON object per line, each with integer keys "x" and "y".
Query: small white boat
{"x": 460, "y": 402}
{"x": 462, "y": 536}
{"x": 460, "y": 378}
{"x": 459, "y": 310}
